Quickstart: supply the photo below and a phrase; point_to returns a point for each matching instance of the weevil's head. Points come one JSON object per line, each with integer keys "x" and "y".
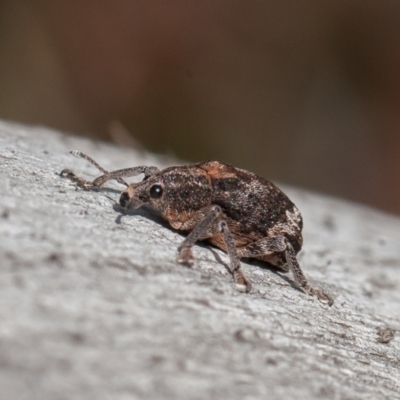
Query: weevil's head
{"x": 174, "y": 192}
{"x": 149, "y": 191}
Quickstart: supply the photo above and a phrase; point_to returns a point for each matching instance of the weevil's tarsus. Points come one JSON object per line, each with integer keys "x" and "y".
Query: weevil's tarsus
{"x": 323, "y": 297}
{"x": 186, "y": 257}
{"x": 81, "y": 182}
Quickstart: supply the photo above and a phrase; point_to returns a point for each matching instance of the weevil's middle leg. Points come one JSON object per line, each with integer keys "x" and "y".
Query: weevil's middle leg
{"x": 242, "y": 283}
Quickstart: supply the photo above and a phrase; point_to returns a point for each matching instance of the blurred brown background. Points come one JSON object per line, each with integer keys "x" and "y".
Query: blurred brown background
{"x": 303, "y": 92}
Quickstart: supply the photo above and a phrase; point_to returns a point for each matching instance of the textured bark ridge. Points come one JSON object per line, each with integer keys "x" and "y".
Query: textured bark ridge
{"x": 94, "y": 305}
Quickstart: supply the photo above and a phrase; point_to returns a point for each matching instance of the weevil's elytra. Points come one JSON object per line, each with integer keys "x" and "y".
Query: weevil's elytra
{"x": 236, "y": 210}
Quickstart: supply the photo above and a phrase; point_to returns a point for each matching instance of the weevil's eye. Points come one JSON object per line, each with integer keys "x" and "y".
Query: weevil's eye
{"x": 156, "y": 191}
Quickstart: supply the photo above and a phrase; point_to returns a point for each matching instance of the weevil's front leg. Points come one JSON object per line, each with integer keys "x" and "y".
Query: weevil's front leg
{"x": 199, "y": 225}
{"x": 205, "y": 225}
{"x": 107, "y": 176}
{"x": 125, "y": 173}
{"x": 270, "y": 246}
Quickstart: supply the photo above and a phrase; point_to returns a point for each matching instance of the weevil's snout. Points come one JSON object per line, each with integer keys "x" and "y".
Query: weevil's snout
{"x": 124, "y": 200}
{"x": 128, "y": 199}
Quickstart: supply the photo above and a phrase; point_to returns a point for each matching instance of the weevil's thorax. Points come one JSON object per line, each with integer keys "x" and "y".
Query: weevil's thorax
{"x": 187, "y": 191}
{"x": 176, "y": 192}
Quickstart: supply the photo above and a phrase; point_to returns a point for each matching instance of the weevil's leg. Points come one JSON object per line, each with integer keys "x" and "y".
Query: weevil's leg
{"x": 263, "y": 247}
{"x": 268, "y": 249}
{"x": 242, "y": 283}
{"x": 101, "y": 180}
{"x": 205, "y": 226}
{"x": 82, "y": 182}
{"x": 118, "y": 174}
{"x": 200, "y": 223}
{"x": 125, "y": 173}
{"x": 278, "y": 245}
{"x": 300, "y": 278}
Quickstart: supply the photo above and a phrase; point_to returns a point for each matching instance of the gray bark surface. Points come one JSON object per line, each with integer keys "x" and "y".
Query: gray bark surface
{"x": 94, "y": 305}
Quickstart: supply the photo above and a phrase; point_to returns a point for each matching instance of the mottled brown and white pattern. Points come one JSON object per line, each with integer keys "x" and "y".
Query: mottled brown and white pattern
{"x": 236, "y": 210}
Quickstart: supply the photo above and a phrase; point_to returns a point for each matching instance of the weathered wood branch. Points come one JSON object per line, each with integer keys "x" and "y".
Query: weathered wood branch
{"x": 94, "y": 305}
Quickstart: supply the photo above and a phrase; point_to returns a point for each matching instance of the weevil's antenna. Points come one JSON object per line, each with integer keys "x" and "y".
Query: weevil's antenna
{"x": 79, "y": 154}
{"x": 84, "y": 183}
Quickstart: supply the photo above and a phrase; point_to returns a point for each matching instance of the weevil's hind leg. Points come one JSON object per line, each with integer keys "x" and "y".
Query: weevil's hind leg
{"x": 107, "y": 176}
{"x": 271, "y": 247}
{"x": 300, "y": 278}
{"x": 204, "y": 225}
{"x": 264, "y": 247}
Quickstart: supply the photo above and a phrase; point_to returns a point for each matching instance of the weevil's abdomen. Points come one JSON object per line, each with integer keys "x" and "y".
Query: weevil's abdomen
{"x": 254, "y": 207}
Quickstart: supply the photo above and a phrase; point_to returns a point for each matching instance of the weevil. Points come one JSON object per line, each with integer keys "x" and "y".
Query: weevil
{"x": 241, "y": 213}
